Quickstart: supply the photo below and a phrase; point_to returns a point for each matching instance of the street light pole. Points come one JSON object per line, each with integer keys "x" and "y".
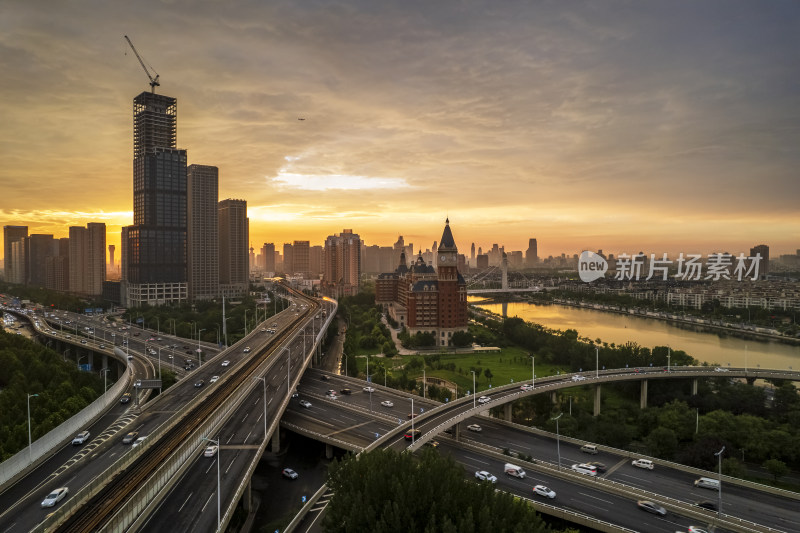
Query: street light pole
{"x": 424, "y": 383}
{"x": 264, "y": 381}
{"x": 596, "y": 361}
{"x": 533, "y": 371}
{"x": 558, "y": 440}
{"x": 288, "y": 369}
{"x": 219, "y": 452}
{"x": 30, "y": 443}
{"x": 245, "y": 322}
{"x": 473, "y": 389}
{"x": 199, "y": 351}
{"x": 719, "y": 480}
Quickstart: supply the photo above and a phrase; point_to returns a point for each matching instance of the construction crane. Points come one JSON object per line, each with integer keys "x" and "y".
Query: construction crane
{"x": 153, "y": 81}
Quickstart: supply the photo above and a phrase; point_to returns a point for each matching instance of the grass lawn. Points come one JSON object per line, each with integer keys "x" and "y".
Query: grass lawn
{"x": 509, "y": 364}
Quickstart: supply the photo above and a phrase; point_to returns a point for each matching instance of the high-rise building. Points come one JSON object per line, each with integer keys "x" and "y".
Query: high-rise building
{"x": 12, "y": 234}
{"x": 342, "y": 263}
{"x": 532, "y": 253}
{"x": 763, "y": 268}
{"x": 234, "y": 239}
{"x": 203, "y": 231}
{"x": 87, "y": 258}
{"x": 38, "y": 247}
{"x": 268, "y": 252}
{"x": 288, "y": 259}
{"x": 315, "y": 258}
{"x": 57, "y": 267}
{"x": 301, "y": 258}
{"x": 111, "y": 250}
{"x": 157, "y": 255}
{"x": 426, "y": 299}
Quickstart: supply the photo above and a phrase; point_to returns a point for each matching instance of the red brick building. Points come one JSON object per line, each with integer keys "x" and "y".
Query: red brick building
{"x": 425, "y": 299}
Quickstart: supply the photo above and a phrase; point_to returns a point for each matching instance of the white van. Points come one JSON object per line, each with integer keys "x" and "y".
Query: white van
{"x": 514, "y": 470}
{"x": 589, "y": 448}
{"x": 643, "y": 463}
{"x": 707, "y": 483}
{"x": 585, "y": 469}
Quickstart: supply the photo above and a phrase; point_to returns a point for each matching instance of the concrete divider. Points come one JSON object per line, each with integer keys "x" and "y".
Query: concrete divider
{"x": 21, "y": 463}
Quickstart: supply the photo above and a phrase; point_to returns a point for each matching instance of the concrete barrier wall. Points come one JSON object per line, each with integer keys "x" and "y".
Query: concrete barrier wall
{"x": 12, "y": 468}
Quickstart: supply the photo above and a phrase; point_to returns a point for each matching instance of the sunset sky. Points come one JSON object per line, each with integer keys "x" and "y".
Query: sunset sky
{"x": 658, "y": 126}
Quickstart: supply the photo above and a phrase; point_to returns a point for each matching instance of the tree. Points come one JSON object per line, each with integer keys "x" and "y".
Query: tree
{"x": 488, "y": 374}
{"x": 776, "y": 468}
{"x": 662, "y": 442}
{"x": 462, "y": 338}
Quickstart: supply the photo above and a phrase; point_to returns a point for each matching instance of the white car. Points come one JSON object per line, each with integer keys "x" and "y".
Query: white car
{"x": 247, "y": 349}
{"x": 138, "y": 442}
{"x": 643, "y": 463}
{"x": 484, "y": 399}
{"x": 541, "y": 490}
{"x": 578, "y": 378}
{"x": 55, "y": 497}
{"x": 213, "y": 379}
{"x": 720, "y": 369}
{"x": 526, "y": 386}
{"x": 80, "y": 438}
{"x": 226, "y": 363}
{"x": 369, "y": 389}
{"x": 483, "y": 475}
{"x": 695, "y": 529}
{"x": 305, "y": 403}
{"x": 387, "y": 403}
{"x": 289, "y": 473}
{"x": 211, "y": 451}
{"x": 474, "y": 427}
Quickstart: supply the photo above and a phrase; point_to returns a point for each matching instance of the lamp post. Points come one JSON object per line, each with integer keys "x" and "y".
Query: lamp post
{"x": 719, "y": 479}
{"x": 79, "y": 361}
{"x": 219, "y": 451}
{"x": 473, "y": 389}
{"x": 264, "y": 381}
{"x": 412, "y": 420}
{"x": 288, "y": 369}
{"x": 30, "y": 443}
{"x": 533, "y": 371}
{"x": 558, "y": 440}
{"x": 596, "y": 361}
{"x": 105, "y": 379}
{"x": 199, "y": 351}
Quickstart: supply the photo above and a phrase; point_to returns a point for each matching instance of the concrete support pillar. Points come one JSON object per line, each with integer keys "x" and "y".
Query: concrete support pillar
{"x": 507, "y": 412}
{"x": 643, "y": 394}
{"x": 91, "y": 359}
{"x": 105, "y": 361}
{"x": 276, "y": 440}
{"x": 694, "y": 387}
{"x": 597, "y": 398}
{"x": 457, "y": 431}
{"x": 328, "y": 451}
{"x": 554, "y": 397}
{"x": 247, "y": 495}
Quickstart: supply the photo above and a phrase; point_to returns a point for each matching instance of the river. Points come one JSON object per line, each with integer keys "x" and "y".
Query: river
{"x": 712, "y": 348}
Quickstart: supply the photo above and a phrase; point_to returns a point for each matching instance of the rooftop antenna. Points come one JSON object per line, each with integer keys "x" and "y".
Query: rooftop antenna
{"x": 153, "y": 81}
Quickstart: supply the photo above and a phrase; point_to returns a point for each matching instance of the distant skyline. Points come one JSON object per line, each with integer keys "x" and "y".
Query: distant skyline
{"x": 666, "y": 126}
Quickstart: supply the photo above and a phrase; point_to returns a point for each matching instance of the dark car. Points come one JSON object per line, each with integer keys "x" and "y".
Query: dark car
{"x": 412, "y": 434}
{"x": 200, "y": 383}
{"x": 711, "y": 506}
{"x": 599, "y": 466}
{"x": 130, "y": 437}
{"x": 125, "y": 398}
{"x": 323, "y": 377}
{"x": 346, "y": 391}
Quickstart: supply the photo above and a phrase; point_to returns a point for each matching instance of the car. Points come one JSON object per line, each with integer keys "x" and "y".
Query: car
{"x": 412, "y": 434}
{"x": 346, "y": 391}
{"x": 138, "y": 441}
{"x": 720, "y": 369}
{"x": 199, "y": 383}
{"x": 102, "y": 346}
{"x": 599, "y": 466}
{"x": 263, "y": 330}
{"x": 583, "y": 468}
{"x": 432, "y": 443}
{"x": 696, "y": 529}
{"x": 226, "y": 363}
{"x": 295, "y": 394}
{"x": 213, "y": 379}
{"x": 541, "y": 490}
{"x": 246, "y": 349}
{"x": 130, "y": 437}
{"x": 56, "y": 496}
{"x": 80, "y": 438}
{"x": 323, "y": 377}
{"x": 187, "y": 367}
{"x": 483, "y": 475}
{"x": 484, "y": 399}
{"x": 475, "y": 427}
{"x": 643, "y": 463}
{"x": 578, "y": 378}
{"x": 413, "y": 415}
{"x": 125, "y": 398}
{"x": 211, "y": 451}
{"x": 305, "y": 403}
{"x": 331, "y": 394}
{"x": 651, "y": 507}
{"x": 387, "y": 403}
{"x": 526, "y": 386}
{"x": 705, "y": 504}
{"x": 369, "y": 389}
{"x": 83, "y": 341}
{"x": 289, "y": 473}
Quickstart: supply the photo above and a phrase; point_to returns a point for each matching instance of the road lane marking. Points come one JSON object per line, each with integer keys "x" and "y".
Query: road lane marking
{"x": 211, "y": 465}
{"x": 596, "y": 498}
{"x": 206, "y": 504}
{"x": 185, "y": 502}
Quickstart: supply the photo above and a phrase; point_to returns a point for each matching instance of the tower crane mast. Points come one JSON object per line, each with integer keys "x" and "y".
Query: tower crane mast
{"x": 153, "y": 81}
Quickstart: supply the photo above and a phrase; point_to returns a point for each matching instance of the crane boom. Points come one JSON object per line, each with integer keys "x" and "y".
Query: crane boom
{"x": 153, "y": 81}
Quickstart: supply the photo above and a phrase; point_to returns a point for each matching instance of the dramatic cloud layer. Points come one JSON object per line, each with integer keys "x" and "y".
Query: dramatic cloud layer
{"x": 627, "y": 126}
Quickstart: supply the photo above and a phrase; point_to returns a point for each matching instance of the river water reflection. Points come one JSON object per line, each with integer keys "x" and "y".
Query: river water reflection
{"x": 617, "y": 328}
